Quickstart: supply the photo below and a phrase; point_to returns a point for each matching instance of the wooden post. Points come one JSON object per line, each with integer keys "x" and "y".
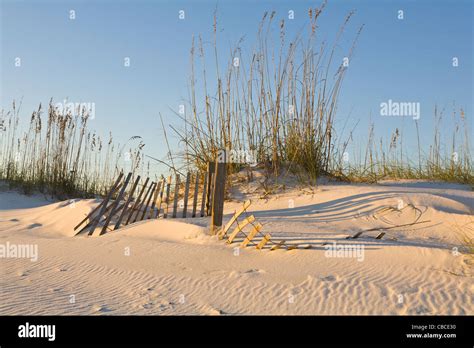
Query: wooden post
{"x": 203, "y": 201}
{"x": 218, "y": 195}
{"x": 104, "y": 207}
{"x": 115, "y": 204}
{"x": 137, "y": 202}
{"x": 211, "y": 168}
{"x": 196, "y": 193}
{"x": 167, "y": 201}
{"x": 186, "y": 193}
{"x": 176, "y": 195}
{"x": 125, "y": 207}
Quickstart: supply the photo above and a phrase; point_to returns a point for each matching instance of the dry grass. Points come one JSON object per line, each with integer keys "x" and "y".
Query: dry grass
{"x": 389, "y": 161}
{"x": 280, "y": 104}
{"x": 60, "y": 157}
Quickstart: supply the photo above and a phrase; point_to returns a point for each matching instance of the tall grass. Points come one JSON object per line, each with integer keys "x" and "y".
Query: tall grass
{"x": 392, "y": 160}
{"x": 280, "y": 101}
{"x": 59, "y": 155}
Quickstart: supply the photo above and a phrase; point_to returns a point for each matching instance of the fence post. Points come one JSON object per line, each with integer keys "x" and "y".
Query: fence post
{"x": 211, "y": 173}
{"x": 218, "y": 192}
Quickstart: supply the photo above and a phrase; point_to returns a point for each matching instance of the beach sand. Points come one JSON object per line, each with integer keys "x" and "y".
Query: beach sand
{"x": 173, "y": 267}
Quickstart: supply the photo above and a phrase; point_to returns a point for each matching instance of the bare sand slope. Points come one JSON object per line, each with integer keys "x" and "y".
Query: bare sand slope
{"x": 172, "y": 267}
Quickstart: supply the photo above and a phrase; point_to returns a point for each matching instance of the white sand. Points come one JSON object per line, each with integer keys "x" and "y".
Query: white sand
{"x": 174, "y": 268}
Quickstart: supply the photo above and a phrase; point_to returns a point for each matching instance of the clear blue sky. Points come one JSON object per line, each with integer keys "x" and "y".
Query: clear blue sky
{"x": 82, "y": 59}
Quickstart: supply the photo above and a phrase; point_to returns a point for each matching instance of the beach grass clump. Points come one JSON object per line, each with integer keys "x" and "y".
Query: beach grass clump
{"x": 435, "y": 161}
{"x": 59, "y": 155}
{"x": 279, "y": 103}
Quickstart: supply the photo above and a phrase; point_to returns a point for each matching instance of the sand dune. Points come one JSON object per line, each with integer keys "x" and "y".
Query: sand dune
{"x": 173, "y": 267}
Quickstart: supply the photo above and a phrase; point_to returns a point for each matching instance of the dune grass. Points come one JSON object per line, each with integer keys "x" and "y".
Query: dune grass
{"x": 391, "y": 160}
{"x": 60, "y": 155}
{"x": 279, "y": 103}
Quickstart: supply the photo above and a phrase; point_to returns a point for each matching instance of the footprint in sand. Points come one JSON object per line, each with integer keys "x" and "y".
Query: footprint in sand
{"x": 254, "y": 271}
{"x": 22, "y": 273}
{"x": 214, "y": 311}
{"x": 412, "y": 290}
{"x": 53, "y": 290}
{"x": 329, "y": 278}
{"x": 422, "y": 310}
{"x": 100, "y": 309}
{"x": 32, "y": 226}
{"x": 166, "y": 305}
{"x": 147, "y": 305}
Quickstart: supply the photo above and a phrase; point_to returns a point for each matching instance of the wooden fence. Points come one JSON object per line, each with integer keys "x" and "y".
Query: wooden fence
{"x": 131, "y": 200}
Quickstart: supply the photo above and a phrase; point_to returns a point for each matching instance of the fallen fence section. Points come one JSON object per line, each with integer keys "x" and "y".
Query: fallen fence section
{"x": 254, "y": 237}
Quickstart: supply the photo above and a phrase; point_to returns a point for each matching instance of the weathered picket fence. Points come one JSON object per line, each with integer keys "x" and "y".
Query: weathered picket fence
{"x": 131, "y": 200}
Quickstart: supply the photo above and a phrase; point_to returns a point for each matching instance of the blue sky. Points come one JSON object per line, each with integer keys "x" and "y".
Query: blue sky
{"x": 82, "y": 59}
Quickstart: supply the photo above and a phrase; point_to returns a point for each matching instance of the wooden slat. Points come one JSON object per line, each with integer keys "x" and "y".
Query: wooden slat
{"x": 97, "y": 217}
{"x": 176, "y": 195}
{"x": 203, "y": 201}
{"x": 145, "y": 197}
{"x": 167, "y": 201}
{"x": 210, "y": 194}
{"x": 186, "y": 194}
{"x": 89, "y": 216}
{"x": 127, "y": 203}
{"x": 120, "y": 207}
{"x": 145, "y": 208}
{"x": 278, "y": 245}
{"x": 196, "y": 193}
{"x": 239, "y": 228}
{"x": 116, "y": 204}
{"x": 355, "y": 235}
{"x": 264, "y": 241}
{"x": 160, "y": 199}
{"x": 218, "y": 197}
{"x": 104, "y": 207}
{"x": 155, "y": 197}
{"x": 137, "y": 202}
{"x": 211, "y": 168}
{"x": 226, "y": 228}
{"x": 256, "y": 229}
